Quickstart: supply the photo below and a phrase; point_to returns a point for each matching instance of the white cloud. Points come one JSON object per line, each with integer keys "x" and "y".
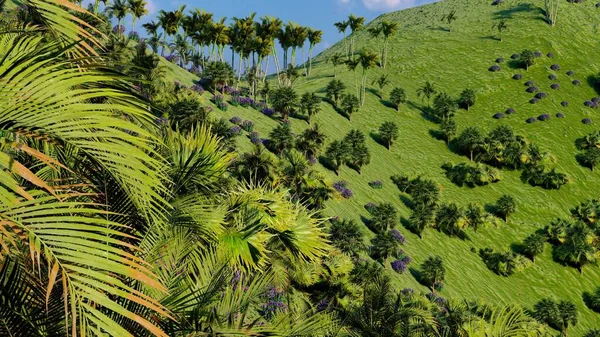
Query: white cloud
{"x": 378, "y": 5}
{"x": 344, "y": 2}
{"x": 151, "y": 7}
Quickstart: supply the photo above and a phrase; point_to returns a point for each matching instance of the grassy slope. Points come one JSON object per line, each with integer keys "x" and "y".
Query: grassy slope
{"x": 454, "y": 61}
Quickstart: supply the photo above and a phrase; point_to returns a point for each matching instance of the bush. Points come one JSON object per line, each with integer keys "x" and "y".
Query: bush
{"x": 594, "y": 105}
{"x": 534, "y": 100}
{"x": 550, "y": 55}
{"x": 268, "y": 112}
{"x": 517, "y": 76}
{"x": 497, "y": 2}
{"x": 564, "y": 103}
{"x": 576, "y": 82}
{"x": 499, "y": 60}
{"x": 529, "y": 83}
{"x": 498, "y": 115}
{"x": 223, "y": 106}
{"x": 555, "y": 86}
{"x": 515, "y": 56}
{"x": 543, "y": 117}
{"x": 541, "y": 95}
{"x": 510, "y": 111}
{"x": 198, "y": 88}
{"x": 235, "y": 130}
{"x": 537, "y": 53}
{"x": 248, "y": 126}
{"x": 555, "y": 67}
{"x": 376, "y": 184}
{"x": 552, "y": 77}
{"x": 531, "y": 120}
{"x": 236, "y": 120}
{"x": 471, "y": 175}
{"x": 532, "y": 89}
{"x": 399, "y": 266}
{"x": 588, "y": 103}
{"x": 503, "y": 263}
{"x": 560, "y": 115}
{"x": 340, "y": 185}
{"x": 254, "y": 135}
{"x": 586, "y": 121}
{"x": 570, "y": 73}
{"x": 347, "y": 193}
{"x": 217, "y": 99}
{"x": 494, "y": 68}
{"x": 397, "y": 236}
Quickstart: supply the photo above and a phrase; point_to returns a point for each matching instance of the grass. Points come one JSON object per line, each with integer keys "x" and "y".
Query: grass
{"x": 424, "y": 50}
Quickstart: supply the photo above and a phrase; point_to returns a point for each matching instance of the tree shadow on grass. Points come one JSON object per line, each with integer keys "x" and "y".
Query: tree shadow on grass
{"x": 301, "y": 117}
{"x": 326, "y": 163}
{"x": 375, "y": 136}
{"x": 518, "y": 248}
{"x": 588, "y": 300}
{"x": 418, "y": 276}
{"x": 388, "y": 104}
{"x": 375, "y": 92}
{"x": 489, "y": 37}
{"x": 409, "y": 226}
{"x": 592, "y": 81}
{"x": 437, "y": 135}
{"x": 440, "y": 28}
{"x": 514, "y": 64}
{"x": 406, "y": 201}
{"x": 520, "y": 8}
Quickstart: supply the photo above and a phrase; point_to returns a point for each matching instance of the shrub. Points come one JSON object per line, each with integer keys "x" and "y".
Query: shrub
{"x": 550, "y": 55}
{"x": 407, "y": 292}
{"x": 576, "y": 82}
{"x": 499, "y": 60}
{"x": 376, "y": 184}
{"x": 494, "y": 68}
{"x": 586, "y": 121}
{"x": 598, "y": 5}
{"x": 498, "y": 115}
{"x": 555, "y": 67}
{"x": 552, "y": 77}
{"x": 503, "y": 263}
{"x": 570, "y": 73}
{"x": 397, "y": 235}
{"x": 248, "y": 126}
{"x": 515, "y": 56}
{"x": 471, "y": 175}
{"x": 564, "y": 103}
{"x": 543, "y": 117}
{"x": 510, "y": 111}
{"x": 198, "y": 88}
{"x": 371, "y": 207}
{"x": 537, "y": 53}
{"x": 534, "y": 100}
{"x": 235, "y": 130}
{"x": 560, "y": 115}
{"x": 594, "y": 105}
{"x": 236, "y": 120}
{"x": 347, "y": 193}
{"x": 134, "y": 36}
{"x": 172, "y": 58}
{"x": 531, "y": 120}
{"x": 340, "y": 185}
{"x": 217, "y": 99}
{"x": 541, "y": 95}
{"x": 268, "y": 112}
{"x": 517, "y": 76}
{"x": 529, "y": 83}
{"x": 254, "y": 135}
{"x": 223, "y": 106}
{"x": 439, "y": 286}
{"x": 555, "y": 86}
{"x": 399, "y": 266}
{"x": 532, "y": 89}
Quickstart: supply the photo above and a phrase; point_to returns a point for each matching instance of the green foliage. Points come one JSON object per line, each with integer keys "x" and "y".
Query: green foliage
{"x": 398, "y": 97}
{"x": 383, "y": 246}
{"x": 534, "y": 245}
{"x": 219, "y": 73}
{"x": 576, "y": 249}
{"x": 388, "y": 133}
{"x": 471, "y": 175}
{"x": 347, "y": 236}
{"x": 444, "y": 107}
{"x": 358, "y": 150}
{"x": 281, "y": 138}
{"x": 527, "y": 58}
{"x": 338, "y": 154}
{"x": 506, "y": 206}
{"x": 335, "y": 90}
{"x": 433, "y": 270}
{"x": 467, "y": 98}
{"x": 448, "y": 129}
{"x": 311, "y": 141}
{"x": 384, "y": 217}
{"x": 284, "y": 100}
{"x": 350, "y": 104}
{"x": 503, "y": 263}
{"x": 450, "y": 219}
{"x": 310, "y": 105}
{"x": 470, "y": 140}
{"x": 560, "y": 315}
{"x": 427, "y": 91}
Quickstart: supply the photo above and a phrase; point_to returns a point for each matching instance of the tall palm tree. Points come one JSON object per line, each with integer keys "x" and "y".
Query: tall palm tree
{"x": 356, "y": 24}
{"x": 284, "y": 100}
{"x": 151, "y": 27}
{"x": 336, "y": 60}
{"x": 200, "y": 34}
{"x": 219, "y": 38}
{"x": 341, "y": 27}
{"x": 368, "y": 60}
{"x": 352, "y": 64}
{"x": 269, "y": 29}
{"x": 427, "y": 91}
{"x": 137, "y": 8}
{"x": 182, "y": 47}
{"x": 314, "y": 38}
{"x": 388, "y": 29}
{"x": 119, "y": 9}
{"x": 298, "y": 37}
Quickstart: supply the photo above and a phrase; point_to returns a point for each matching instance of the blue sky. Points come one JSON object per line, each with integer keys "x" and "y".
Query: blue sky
{"x": 318, "y": 14}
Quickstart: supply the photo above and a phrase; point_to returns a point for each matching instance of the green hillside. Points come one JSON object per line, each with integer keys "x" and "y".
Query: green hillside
{"x": 424, "y": 50}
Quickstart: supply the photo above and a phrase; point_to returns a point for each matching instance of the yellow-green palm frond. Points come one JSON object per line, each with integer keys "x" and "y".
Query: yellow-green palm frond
{"x": 509, "y": 321}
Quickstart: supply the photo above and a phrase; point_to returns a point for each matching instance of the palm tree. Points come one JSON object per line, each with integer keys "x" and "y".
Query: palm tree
{"x": 269, "y": 30}
{"x": 398, "y": 97}
{"x": 450, "y": 219}
{"x": 118, "y": 9}
{"x": 338, "y": 154}
{"x": 341, "y": 27}
{"x": 384, "y": 245}
{"x": 449, "y": 18}
{"x": 467, "y": 98}
{"x": 220, "y": 73}
{"x": 347, "y": 236}
{"x": 350, "y": 104}
{"x": 281, "y": 138}
{"x": 311, "y": 141}
{"x": 256, "y": 167}
{"x": 506, "y": 206}
{"x": 298, "y": 37}
{"x": 448, "y": 129}
{"x": 284, "y": 100}
{"x": 533, "y": 245}
{"x": 368, "y": 60}
{"x": 387, "y": 29}
{"x": 334, "y": 91}
{"x": 381, "y": 82}
{"x": 384, "y": 218}
{"x": 182, "y": 47}
{"x": 567, "y": 315}
{"x": 219, "y": 38}
{"x": 314, "y": 38}
{"x": 433, "y": 271}
{"x": 310, "y": 104}
{"x": 336, "y": 60}
{"x": 470, "y": 140}
{"x": 137, "y": 8}
{"x": 352, "y": 64}
{"x": 151, "y": 27}
{"x": 356, "y": 24}
{"x": 388, "y": 133}
{"x": 427, "y": 91}
{"x": 576, "y": 249}
{"x": 500, "y": 27}
{"x": 510, "y": 320}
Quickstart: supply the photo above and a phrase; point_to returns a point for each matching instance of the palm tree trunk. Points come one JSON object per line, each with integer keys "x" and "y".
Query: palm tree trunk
{"x": 133, "y": 23}
{"x": 96, "y": 6}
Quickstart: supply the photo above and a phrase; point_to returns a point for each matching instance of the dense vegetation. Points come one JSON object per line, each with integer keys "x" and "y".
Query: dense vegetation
{"x": 156, "y": 188}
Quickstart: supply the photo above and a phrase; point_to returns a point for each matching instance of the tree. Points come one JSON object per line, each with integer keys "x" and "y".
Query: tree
{"x": 381, "y": 82}
{"x": 281, "y": 138}
{"x": 433, "y": 271}
{"x": 359, "y": 152}
{"x": 470, "y": 140}
{"x": 506, "y": 206}
{"x": 257, "y": 166}
{"x": 119, "y": 9}
{"x": 265, "y": 91}
{"x": 284, "y": 100}
{"x": 467, "y": 98}
{"x": 474, "y": 216}
{"x": 137, "y": 8}
{"x": 546, "y": 311}
{"x": 448, "y": 129}
{"x": 551, "y": 11}
{"x": 449, "y": 18}
{"x": 387, "y": 29}
{"x": 398, "y": 97}
{"x": 350, "y": 105}
{"x": 219, "y": 73}
{"x": 576, "y": 249}
{"x": 310, "y": 105}
{"x": 427, "y": 91}
{"x": 590, "y": 157}
{"x": 368, "y": 60}
{"x": 347, "y": 236}
{"x": 384, "y": 245}
{"x": 527, "y": 58}
{"x": 444, "y": 106}
{"x": 592, "y": 333}
{"x": 356, "y": 24}
{"x": 311, "y": 141}
{"x": 422, "y": 216}
{"x": 384, "y": 217}
{"x": 449, "y": 219}
{"x": 534, "y": 245}
{"x": 334, "y": 91}
{"x": 336, "y": 60}
{"x": 388, "y": 133}
{"x": 182, "y": 47}
{"x": 567, "y": 315}
{"x": 342, "y": 26}
{"x": 352, "y": 64}
{"x": 314, "y": 38}
{"x": 500, "y": 27}
{"x": 338, "y": 154}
